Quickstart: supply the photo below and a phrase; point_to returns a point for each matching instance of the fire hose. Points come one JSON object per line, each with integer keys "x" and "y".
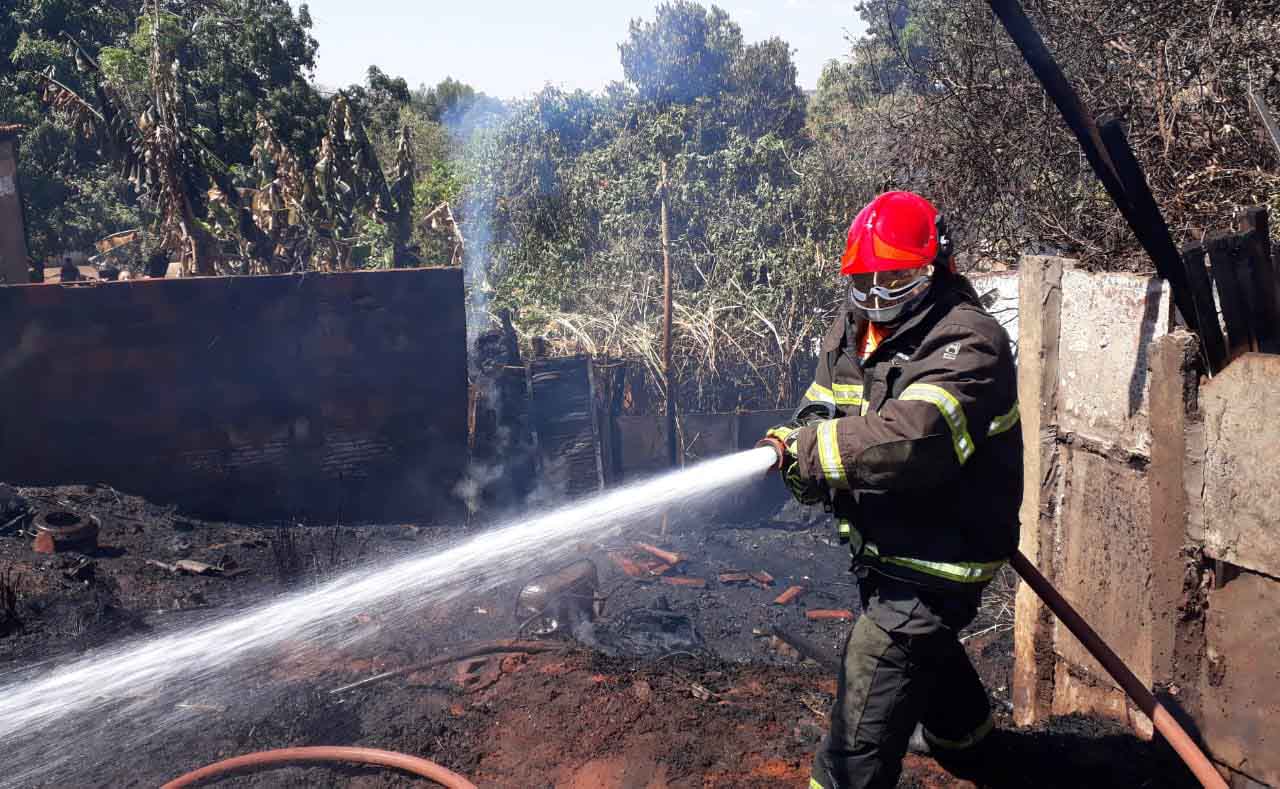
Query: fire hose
{"x": 326, "y": 753}
{"x": 1137, "y": 692}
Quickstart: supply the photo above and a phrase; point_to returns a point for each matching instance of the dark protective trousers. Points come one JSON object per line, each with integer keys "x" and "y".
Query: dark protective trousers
{"x": 903, "y": 664}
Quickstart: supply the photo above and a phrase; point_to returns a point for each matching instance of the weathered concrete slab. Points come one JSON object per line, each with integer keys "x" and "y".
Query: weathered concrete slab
{"x": 1106, "y": 564}
{"x": 1240, "y": 690}
{"x": 1108, "y": 323}
{"x": 322, "y": 395}
{"x": 1241, "y": 408}
{"x": 642, "y": 441}
{"x": 708, "y": 436}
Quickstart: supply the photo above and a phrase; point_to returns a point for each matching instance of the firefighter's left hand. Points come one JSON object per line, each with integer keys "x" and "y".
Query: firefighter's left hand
{"x": 805, "y": 491}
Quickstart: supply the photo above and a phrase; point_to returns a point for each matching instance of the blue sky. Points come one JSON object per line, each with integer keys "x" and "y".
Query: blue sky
{"x": 510, "y": 49}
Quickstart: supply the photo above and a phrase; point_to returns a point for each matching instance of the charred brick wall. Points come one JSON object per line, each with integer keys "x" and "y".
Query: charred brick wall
{"x": 323, "y": 396}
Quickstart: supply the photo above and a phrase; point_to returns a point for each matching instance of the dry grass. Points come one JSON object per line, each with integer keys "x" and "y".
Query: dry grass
{"x": 996, "y": 613}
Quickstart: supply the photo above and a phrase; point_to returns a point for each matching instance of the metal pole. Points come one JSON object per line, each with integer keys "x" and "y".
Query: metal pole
{"x": 666, "y": 320}
{"x": 1169, "y": 728}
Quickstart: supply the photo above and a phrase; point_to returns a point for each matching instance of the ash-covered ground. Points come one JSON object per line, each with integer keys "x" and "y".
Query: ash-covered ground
{"x": 663, "y": 674}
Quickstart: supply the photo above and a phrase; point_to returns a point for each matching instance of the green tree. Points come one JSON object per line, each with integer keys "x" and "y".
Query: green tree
{"x": 685, "y": 53}
{"x": 563, "y": 222}
{"x": 235, "y": 60}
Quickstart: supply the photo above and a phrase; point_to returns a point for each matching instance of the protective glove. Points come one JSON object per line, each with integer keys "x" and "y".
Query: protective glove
{"x": 805, "y": 491}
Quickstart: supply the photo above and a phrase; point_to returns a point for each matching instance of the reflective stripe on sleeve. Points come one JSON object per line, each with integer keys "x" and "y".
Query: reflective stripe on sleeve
{"x": 1004, "y": 422}
{"x": 951, "y": 411}
{"x": 848, "y": 395}
{"x": 829, "y": 455}
{"x": 817, "y": 393}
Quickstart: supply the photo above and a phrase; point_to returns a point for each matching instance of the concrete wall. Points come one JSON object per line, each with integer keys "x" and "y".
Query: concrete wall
{"x": 1241, "y": 515}
{"x": 1152, "y": 504}
{"x": 1108, "y": 322}
{"x": 1086, "y": 518}
{"x": 1234, "y": 507}
{"x": 321, "y": 395}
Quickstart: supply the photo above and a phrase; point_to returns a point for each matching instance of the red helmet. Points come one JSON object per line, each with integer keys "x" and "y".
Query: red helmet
{"x": 896, "y": 230}
{"x": 892, "y": 246}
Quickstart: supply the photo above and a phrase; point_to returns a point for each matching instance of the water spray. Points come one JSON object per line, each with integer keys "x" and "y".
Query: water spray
{"x": 114, "y": 700}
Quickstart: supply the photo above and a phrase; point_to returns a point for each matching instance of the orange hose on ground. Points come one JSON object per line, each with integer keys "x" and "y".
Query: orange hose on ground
{"x": 327, "y": 753}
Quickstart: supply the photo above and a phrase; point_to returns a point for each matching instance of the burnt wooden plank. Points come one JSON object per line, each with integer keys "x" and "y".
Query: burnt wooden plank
{"x": 1213, "y": 347}
{"x": 1254, "y": 223}
{"x": 563, "y": 407}
{"x": 1225, "y": 260}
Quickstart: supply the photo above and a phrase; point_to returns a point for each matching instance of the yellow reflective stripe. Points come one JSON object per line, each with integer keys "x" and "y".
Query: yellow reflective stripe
{"x": 951, "y": 412}
{"x": 843, "y": 527}
{"x": 848, "y": 534}
{"x": 848, "y": 394}
{"x": 813, "y": 784}
{"x": 781, "y": 432}
{"x": 817, "y": 393}
{"x": 968, "y": 741}
{"x": 1004, "y": 422}
{"x": 866, "y": 406}
{"x": 829, "y": 455}
{"x": 960, "y": 572}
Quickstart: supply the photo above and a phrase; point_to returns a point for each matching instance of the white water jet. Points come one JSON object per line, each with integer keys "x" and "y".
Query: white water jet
{"x": 58, "y": 725}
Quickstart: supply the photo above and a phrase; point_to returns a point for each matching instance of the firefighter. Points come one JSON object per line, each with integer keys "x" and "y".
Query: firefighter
{"x": 909, "y": 435}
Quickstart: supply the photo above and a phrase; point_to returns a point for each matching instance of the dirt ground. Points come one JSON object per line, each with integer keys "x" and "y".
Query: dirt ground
{"x": 735, "y": 707}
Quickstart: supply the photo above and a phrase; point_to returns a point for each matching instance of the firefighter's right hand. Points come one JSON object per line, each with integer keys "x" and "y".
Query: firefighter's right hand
{"x": 783, "y": 439}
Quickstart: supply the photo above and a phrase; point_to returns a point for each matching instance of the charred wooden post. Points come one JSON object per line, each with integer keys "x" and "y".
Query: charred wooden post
{"x": 1265, "y": 284}
{"x": 667, "y": 382}
{"x": 1213, "y": 347}
{"x": 499, "y": 435}
{"x": 1230, "y": 269}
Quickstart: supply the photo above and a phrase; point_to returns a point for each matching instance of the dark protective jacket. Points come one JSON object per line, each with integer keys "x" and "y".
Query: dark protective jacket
{"x": 924, "y": 462}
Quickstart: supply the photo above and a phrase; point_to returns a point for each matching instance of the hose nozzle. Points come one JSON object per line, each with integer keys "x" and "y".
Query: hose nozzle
{"x": 779, "y": 449}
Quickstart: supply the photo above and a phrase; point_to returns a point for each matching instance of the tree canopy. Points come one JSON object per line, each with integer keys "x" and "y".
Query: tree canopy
{"x": 196, "y": 121}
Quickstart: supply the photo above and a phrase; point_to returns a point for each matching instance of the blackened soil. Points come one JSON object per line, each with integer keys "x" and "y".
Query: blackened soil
{"x": 743, "y": 711}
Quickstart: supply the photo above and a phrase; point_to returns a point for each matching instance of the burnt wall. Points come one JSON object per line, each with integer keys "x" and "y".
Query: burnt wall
{"x": 1150, "y": 502}
{"x": 643, "y": 453}
{"x": 323, "y": 396}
